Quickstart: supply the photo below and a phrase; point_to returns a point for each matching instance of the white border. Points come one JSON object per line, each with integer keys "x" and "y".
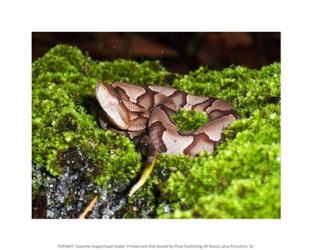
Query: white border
{"x": 20, "y": 18}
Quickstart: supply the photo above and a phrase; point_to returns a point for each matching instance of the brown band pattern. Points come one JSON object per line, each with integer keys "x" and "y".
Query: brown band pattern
{"x": 146, "y": 112}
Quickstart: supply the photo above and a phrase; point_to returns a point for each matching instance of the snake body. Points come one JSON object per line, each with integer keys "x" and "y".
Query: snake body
{"x": 144, "y": 113}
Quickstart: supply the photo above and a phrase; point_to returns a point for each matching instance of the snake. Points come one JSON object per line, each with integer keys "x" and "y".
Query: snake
{"x": 145, "y": 115}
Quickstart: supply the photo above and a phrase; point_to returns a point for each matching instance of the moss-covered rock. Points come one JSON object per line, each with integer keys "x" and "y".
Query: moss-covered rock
{"x": 241, "y": 180}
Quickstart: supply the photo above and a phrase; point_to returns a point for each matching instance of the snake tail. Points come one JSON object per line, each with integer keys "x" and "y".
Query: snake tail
{"x": 144, "y": 176}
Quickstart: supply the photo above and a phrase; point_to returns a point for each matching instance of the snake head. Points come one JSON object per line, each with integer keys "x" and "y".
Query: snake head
{"x": 109, "y": 101}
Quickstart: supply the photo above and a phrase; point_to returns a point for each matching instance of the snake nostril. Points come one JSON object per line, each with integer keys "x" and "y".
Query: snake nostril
{"x": 112, "y": 101}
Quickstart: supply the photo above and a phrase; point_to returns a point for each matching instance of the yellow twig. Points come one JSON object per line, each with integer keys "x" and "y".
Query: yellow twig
{"x": 88, "y": 208}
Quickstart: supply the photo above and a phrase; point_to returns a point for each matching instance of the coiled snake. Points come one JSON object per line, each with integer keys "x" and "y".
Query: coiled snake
{"x": 144, "y": 113}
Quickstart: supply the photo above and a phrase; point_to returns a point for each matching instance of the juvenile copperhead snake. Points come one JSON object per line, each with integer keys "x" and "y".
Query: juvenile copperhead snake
{"x": 144, "y": 113}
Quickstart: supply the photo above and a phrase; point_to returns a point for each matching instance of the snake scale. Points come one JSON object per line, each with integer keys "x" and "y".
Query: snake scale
{"x": 144, "y": 114}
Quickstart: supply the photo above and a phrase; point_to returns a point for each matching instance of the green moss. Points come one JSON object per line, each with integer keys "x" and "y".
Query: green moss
{"x": 189, "y": 120}
{"x": 247, "y": 89}
{"x": 244, "y": 198}
{"x": 253, "y": 156}
{"x": 241, "y": 180}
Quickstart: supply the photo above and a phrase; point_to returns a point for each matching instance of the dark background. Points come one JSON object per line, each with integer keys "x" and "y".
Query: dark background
{"x": 178, "y": 52}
